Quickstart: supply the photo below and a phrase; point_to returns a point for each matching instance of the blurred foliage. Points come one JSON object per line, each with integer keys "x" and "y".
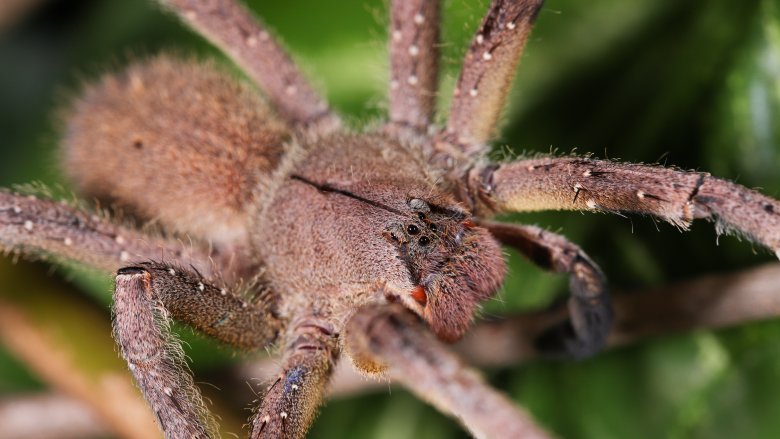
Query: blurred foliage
{"x": 694, "y": 84}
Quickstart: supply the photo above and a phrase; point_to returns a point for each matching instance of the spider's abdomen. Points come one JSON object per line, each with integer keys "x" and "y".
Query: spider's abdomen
{"x": 176, "y": 141}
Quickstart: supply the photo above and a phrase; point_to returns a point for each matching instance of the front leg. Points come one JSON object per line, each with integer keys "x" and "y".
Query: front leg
{"x": 231, "y": 27}
{"x": 36, "y": 227}
{"x": 414, "y": 39}
{"x": 598, "y": 185}
{"x": 487, "y": 73}
{"x": 291, "y": 401}
{"x": 389, "y": 338}
{"x": 146, "y": 296}
{"x": 589, "y": 306}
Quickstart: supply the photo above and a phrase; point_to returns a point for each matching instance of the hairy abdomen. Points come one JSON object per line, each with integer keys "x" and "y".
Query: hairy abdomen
{"x": 176, "y": 141}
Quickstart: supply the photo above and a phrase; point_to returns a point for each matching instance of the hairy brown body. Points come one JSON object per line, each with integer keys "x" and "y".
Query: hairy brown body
{"x": 321, "y": 240}
{"x": 243, "y": 181}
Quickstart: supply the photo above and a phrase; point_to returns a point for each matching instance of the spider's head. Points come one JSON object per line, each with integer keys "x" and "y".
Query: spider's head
{"x": 453, "y": 264}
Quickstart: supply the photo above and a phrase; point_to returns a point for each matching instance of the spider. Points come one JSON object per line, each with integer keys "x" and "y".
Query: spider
{"x": 372, "y": 244}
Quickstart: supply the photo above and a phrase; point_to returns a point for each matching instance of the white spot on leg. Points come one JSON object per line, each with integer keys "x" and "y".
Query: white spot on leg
{"x": 291, "y": 90}
{"x": 473, "y": 92}
{"x": 283, "y": 415}
{"x": 223, "y": 292}
{"x": 777, "y": 253}
{"x": 577, "y": 187}
{"x": 487, "y": 56}
{"x": 591, "y": 204}
{"x": 480, "y": 39}
{"x": 17, "y": 210}
{"x": 266, "y": 419}
{"x": 28, "y": 225}
{"x": 124, "y": 256}
{"x": 119, "y": 239}
{"x": 190, "y": 15}
{"x": 414, "y": 50}
{"x": 295, "y": 387}
{"x": 397, "y": 35}
{"x": 511, "y": 25}
{"x": 586, "y": 173}
{"x": 419, "y": 19}
{"x": 68, "y": 241}
{"x": 168, "y": 391}
{"x": 640, "y": 195}
{"x": 172, "y": 271}
{"x": 201, "y": 287}
{"x": 412, "y": 80}
{"x": 251, "y": 41}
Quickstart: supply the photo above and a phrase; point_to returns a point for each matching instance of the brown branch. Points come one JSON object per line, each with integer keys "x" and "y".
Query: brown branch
{"x": 68, "y": 346}
{"x": 709, "y": 302}
{"x": 53, "y": 416}
{"x": 111, "y": 395}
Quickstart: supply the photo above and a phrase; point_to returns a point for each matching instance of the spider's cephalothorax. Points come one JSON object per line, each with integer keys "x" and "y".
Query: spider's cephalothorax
{"x": 350, "y": 237}
{"x": 375, "y": 214}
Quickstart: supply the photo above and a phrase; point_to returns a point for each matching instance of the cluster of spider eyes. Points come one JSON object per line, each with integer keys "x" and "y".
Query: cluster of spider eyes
{"x": 413, "y": 230}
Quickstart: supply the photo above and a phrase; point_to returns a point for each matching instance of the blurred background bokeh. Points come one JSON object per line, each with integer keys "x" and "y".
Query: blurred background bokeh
{"x": 694, "y": 83}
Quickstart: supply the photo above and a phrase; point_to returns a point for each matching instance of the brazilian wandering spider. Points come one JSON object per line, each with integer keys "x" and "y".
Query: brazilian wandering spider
{"x": 406, "y": 258}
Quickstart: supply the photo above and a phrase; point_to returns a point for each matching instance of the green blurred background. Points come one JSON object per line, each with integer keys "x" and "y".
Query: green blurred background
{"x": 692, "y": 83}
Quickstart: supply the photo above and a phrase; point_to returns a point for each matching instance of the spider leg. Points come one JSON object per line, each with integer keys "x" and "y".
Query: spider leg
{"x": 414, "y": 35}
{"x": 596, "y": 185}
{"x": 589, "y": 306}
{"x": 146, "y": 296}
{"x": 33, "y": 226}
{"x": 232, "y": 28}
{"x": 389, "y": 337}
{"x": 291, "y": 401}
{"x": 487, "y": 73}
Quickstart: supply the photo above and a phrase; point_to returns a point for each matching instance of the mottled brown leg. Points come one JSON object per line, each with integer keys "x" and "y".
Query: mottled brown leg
{"x": 291, "y": 401}
{"x": 487, "y": 73}
{"x": 36, "y": 227}
{"x": 414, "y": 36}
{"x": 596, "y": 185}
{"x": 146, "y": 296}
{"x": 589, "y": 306}
{"x": 389, "y": 337}
{"x": 232, "y": 28}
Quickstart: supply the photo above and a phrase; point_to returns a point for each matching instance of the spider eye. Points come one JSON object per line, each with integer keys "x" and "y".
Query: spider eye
{"x": 424, "y": 240}
{"x": 433, "y": 227}
{"x": 421, "y": 216}
{"x": 412, "y": 229}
